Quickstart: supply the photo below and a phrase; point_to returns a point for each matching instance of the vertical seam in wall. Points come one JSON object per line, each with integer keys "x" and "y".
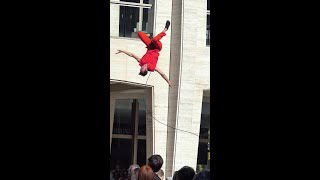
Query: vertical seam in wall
{"x": 180, "y": 75}
{"x": 153, "y": 121}
{"x": 168, "y": 115}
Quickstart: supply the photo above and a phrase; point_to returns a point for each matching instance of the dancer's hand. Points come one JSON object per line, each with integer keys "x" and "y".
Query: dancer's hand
{"x": 119, "y": 51}
{"x": 170, "y": 83}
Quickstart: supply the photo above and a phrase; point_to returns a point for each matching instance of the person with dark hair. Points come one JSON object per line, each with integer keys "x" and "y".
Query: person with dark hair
{"x": 203, "y": 175}
{"x": 133, "y": 172}
{"x": 185, "y": 173}
{"x": 149, "y": 61}
{"x": 155, "y": 162}
{"x": 146, "y": 173}
{"x": 175, "y": 175}
{"x": 160, "y": 174}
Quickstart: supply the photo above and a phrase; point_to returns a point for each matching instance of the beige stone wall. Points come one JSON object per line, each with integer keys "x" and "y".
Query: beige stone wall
{"x": 114, "y": 19}
{"x": 194, "y": 77}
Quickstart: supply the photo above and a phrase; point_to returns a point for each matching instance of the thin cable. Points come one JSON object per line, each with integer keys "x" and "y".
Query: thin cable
{"x": 158, "y": 120}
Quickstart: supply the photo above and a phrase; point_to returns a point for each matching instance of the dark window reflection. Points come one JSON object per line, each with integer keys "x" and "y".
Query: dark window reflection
{"x": 142, "y": 148}
{"x": 129, "y": 18}
{"x": 205, "y": 121}
{"x": 208, "y": 31}
{"x": 123, "y": 117}
{"x": 202, "y": 160}
{"x": 142, "y": 117}
{"x": 145, "y": 19}
{"x": 121, "y": 153}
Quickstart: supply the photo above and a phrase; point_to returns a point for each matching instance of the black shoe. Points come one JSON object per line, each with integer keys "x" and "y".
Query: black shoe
{"x": 167, "y": 24}
{"x": 151, "y": 35}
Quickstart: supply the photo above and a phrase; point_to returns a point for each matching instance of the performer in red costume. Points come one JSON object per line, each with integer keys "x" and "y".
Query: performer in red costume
{"x": 149, "y": 61}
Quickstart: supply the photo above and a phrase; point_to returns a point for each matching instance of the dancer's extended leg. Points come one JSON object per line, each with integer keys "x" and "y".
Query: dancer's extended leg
{"x": 156, "y": 40}
{"x": 144, "y": 38}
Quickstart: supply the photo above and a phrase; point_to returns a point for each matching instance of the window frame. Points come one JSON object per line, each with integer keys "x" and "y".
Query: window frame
{"x": 134, "y": 137}
{"x": 139, "y": 5}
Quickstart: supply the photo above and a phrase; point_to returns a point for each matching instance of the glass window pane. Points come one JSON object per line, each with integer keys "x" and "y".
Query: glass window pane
{"x": 123, "y": 117}
{"x": 121, "y": 156}
{"x": 208, "y": 4}
{"x": 129, "y": 18}
{"x": 145, "y": 20}
{"x": 205, "y": 121}
{"x": 145, "y": 1}
{"x": 142, "y": 152}
{"x": 142, "y": 117}
{"x": 121, "y": 21}
{"x": 202, "y": 156}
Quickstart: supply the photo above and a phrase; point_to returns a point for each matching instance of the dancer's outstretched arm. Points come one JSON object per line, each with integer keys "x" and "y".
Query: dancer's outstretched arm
{"x": 129, "y": 54}
{"x": 164, "y": 76}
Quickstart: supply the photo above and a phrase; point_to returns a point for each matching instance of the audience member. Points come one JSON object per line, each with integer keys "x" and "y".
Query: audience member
{"x": 155, "y": 162}
{"x": 185, "y": 173}
{"x": 133, "y": 172}
{"x": 160, "y": 174}
{"x": 146, "y": 173}
{"x": 203, "y": 175}
{"x": 175, "y": 176}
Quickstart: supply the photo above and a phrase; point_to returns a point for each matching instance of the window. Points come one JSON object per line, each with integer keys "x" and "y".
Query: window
{"x": 203, "y": 152}
{"x": 129, "y": 134}
{"x": 208, "y": 24}
{"x": 127, "y": 17}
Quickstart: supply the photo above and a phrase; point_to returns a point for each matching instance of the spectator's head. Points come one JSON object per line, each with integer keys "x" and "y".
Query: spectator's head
{"x": 185, "y": 173}
{"x": 155, "y": 162}
{"x": 160, "y": 174}
{"x": 203, "y": 175}
{"x": 133, "y": 172}
{"x": 175, "y": 175}
{"x": 146, "y": 173}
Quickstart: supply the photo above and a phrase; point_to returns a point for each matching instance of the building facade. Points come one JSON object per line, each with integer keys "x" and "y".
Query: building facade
{"x": 145, "y": 112}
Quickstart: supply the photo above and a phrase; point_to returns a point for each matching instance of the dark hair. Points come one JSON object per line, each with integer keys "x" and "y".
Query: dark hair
{"x": 146, "y": 173}
{"x": 155, "y": 162}
{"x": 144, "y": 73}
{"x": 175, "y": 175}
{"x": 160, "y": 173}
{"x": 203, "y": 175}
{"x": 185, "y": 173}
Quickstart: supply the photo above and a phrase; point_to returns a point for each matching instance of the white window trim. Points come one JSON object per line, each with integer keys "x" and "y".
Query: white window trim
{"x": 132, "y": 4}
{"x": 140, "y": 5}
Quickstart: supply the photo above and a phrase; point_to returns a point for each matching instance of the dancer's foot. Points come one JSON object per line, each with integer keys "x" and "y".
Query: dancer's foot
{"x": 150, "y": 35}
{"x": 167, "y": 26}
